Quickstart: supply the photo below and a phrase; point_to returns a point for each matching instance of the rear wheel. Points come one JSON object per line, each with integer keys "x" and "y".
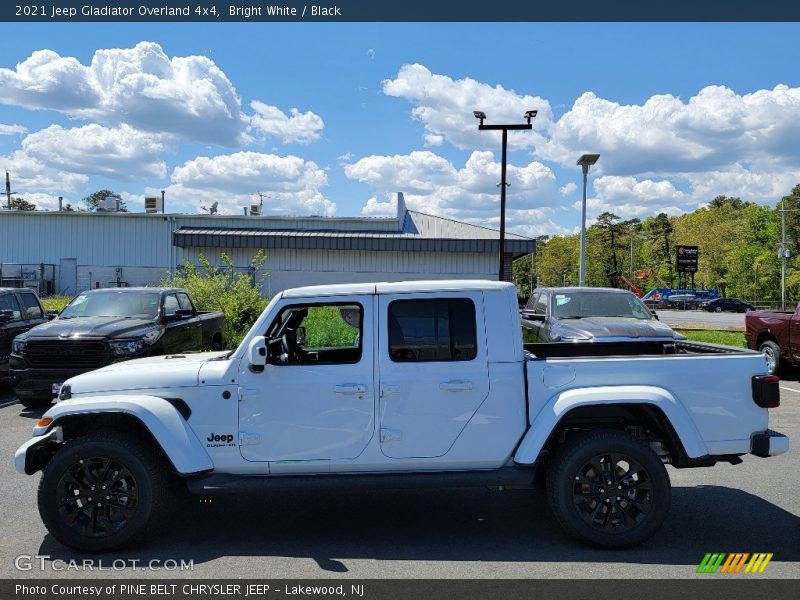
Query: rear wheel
{"x": 718, "y": 309}
{"x": 773, "y": 353}
{"x": 608, "y": 489}
{"x": 216, "y": 343}
{"x": 102, "y": 492}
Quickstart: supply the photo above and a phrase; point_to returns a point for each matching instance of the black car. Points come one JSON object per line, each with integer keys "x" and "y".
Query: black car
{"x": 20, "y": 310}
{"x": 103, "y": 326}
{"x": 727, "y": 304}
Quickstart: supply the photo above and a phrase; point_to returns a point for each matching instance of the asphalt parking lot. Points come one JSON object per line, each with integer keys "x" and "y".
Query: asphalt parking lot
{"x": 752, "y": 507}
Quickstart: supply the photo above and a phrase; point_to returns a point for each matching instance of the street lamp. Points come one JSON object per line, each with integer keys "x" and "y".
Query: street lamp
{"x": 530, "y": 114}
{"x": 585, "y": 161}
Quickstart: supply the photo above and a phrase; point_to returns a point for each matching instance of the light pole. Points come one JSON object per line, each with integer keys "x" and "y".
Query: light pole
{"x": 783, "y": 251}
{"x": 585, "y": 161}
{"x": 504, "y": 128}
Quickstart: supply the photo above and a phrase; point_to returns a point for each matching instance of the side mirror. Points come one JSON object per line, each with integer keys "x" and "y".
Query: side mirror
{"x": 532, "y": 317}
{"x": 51, "y": 314}
{"x": 257, "y": 353}
{"x": 6, "y": 315}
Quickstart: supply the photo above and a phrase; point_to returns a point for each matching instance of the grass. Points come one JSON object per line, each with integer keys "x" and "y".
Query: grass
{"x": 726, "y": 338}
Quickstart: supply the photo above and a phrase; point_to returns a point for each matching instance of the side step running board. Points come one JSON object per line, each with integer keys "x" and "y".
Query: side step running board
{"x": 226, "y": 484}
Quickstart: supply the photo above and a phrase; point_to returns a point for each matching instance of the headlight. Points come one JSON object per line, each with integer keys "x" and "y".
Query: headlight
{"x": 17, "y": 347}
{"x": 151, "y": 336}
{"x": 127, "y": 347}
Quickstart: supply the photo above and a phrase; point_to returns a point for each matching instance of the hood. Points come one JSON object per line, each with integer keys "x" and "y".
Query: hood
{"x": 599, "y": 328}
{"x": 145, "y": 373}
{"x": 94, "y": 327}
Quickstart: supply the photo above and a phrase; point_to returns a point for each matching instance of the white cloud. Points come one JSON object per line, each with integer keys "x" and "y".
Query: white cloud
{"x": 300, "y": 127}
{"x": 12, "y": 129}
{"x": 29, "y": 175}
{"x": 346, "y": 157}
{"x": 122, "y": 153}
{"x": 444, "y": 105}
{"x": 291, "y": 185}
{"x": 431, "y": 184}
{"x": 434, "y": 140}
{"x": 190, "y": 97}
{"x": 712, "y": 130}
{"x": 376, "y": 208}
{"x": 568, "y": 189}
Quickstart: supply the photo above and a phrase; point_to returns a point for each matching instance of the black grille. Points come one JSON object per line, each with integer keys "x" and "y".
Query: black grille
{"x": 66, "y": 354}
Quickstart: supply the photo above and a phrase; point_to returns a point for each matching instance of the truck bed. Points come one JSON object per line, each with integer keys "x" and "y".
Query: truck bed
{"x": 617, "y": 349}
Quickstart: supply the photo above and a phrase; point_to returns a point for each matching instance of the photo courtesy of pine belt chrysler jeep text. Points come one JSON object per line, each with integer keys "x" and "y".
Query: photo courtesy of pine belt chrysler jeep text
{"x": 398, "y": 384}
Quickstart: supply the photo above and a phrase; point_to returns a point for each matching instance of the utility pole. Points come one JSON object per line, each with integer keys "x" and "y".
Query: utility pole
{"x": 504, "y": 128}
{"x": 784, "y": 254}
{"x": 8, "y": 190}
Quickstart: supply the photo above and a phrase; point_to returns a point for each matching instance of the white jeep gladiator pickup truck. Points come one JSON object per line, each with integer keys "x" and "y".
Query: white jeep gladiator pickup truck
{"x": 400, "y": 385}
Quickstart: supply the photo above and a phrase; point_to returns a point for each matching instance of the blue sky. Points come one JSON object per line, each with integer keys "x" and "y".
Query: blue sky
{"x": 334, "y": 118}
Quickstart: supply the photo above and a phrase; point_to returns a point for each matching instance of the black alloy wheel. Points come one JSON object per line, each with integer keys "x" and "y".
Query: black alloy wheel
{"x": 97, "y": 496}
{"x": 608, "y": 488}
{"x": 612, "y": 492}
{"x": 103, "y": 491}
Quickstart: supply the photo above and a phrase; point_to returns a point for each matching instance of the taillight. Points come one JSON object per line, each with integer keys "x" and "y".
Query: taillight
{"x": 766, "y": 391}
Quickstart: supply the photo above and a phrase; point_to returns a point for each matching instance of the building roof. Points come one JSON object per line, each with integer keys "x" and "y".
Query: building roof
{"x": 416, "y": 232}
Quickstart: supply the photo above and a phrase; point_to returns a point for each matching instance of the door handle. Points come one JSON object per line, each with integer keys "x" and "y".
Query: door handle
{"x": 350, "y": 388}
{"x": 456, "y": 385}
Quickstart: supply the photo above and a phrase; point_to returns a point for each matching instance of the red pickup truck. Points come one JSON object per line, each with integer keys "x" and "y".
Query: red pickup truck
{"x": 776, "y": 334}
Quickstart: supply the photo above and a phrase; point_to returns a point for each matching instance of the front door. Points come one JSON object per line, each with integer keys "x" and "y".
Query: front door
{"x": 315, "y": 399}
{"x": 433, "y": 371}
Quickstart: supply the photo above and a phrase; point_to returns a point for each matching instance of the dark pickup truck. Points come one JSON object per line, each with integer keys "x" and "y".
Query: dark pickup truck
{"x": 20, "y": 310}
{"x": 776, "y": 334}
{"x": 100, "y": 327}
{"x": 589, "y": 315}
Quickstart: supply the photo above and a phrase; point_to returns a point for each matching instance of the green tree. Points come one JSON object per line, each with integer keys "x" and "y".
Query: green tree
{"x": 95, "y": 200}
{"x": 21, "y": 204}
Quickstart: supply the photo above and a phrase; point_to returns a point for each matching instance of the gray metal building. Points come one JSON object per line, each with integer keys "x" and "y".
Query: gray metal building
{"x": 98, "y": 249}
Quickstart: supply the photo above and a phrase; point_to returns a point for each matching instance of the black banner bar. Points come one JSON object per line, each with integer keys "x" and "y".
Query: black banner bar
{"x": 710, "y": 587}
{"x": 342, "y": 11}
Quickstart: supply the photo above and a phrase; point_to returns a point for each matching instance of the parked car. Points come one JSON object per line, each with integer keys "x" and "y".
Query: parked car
{"x": 397, "y": 385}
{"x": 582, "y": 314}
{"x": 775, "y": 334}
{"x": 727, "y": 304}
{"x": 20, "y": 310}
{"x": 100, "y": 327}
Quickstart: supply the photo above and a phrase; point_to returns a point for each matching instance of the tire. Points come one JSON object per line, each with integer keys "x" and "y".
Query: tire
{"x": 628, "y": 519}
{"x": 773, "y": 352}
{"x": 216, "y": 344}
{"x": 35, "y": 402}
{"x": 134, "y": 474}
{"x": 718, "y": 309}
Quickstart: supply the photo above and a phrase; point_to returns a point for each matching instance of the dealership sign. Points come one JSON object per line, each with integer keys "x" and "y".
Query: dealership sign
{"x": 686, "y": 259}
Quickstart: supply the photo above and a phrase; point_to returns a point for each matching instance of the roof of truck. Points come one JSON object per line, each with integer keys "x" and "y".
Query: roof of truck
{"x": 400, "y": 287}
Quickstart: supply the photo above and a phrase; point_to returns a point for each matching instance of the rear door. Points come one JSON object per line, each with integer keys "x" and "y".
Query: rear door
{"x": 433, "y": 370}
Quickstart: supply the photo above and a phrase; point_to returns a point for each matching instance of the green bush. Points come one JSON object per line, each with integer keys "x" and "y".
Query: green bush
{"x": 325, "y": 329}
{"x": 226, "y": 289}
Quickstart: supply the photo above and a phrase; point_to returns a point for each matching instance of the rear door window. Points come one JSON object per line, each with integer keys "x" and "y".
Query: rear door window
{"x": 432, "y": 330}
{"x": 30, "y": 306}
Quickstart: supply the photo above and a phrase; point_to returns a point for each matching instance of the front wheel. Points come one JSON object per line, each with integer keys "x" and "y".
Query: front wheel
{"x": 718, "y": 309}
{"x": 34, "y": 402}
{"x": 102, "y": 492}
{"x": 773, "y": 353}
{"x": 608, "y": 489}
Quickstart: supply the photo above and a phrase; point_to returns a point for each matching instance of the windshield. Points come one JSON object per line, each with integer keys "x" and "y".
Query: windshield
{"x": 143, "y": 305}
{"x": 576, "y": 305}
